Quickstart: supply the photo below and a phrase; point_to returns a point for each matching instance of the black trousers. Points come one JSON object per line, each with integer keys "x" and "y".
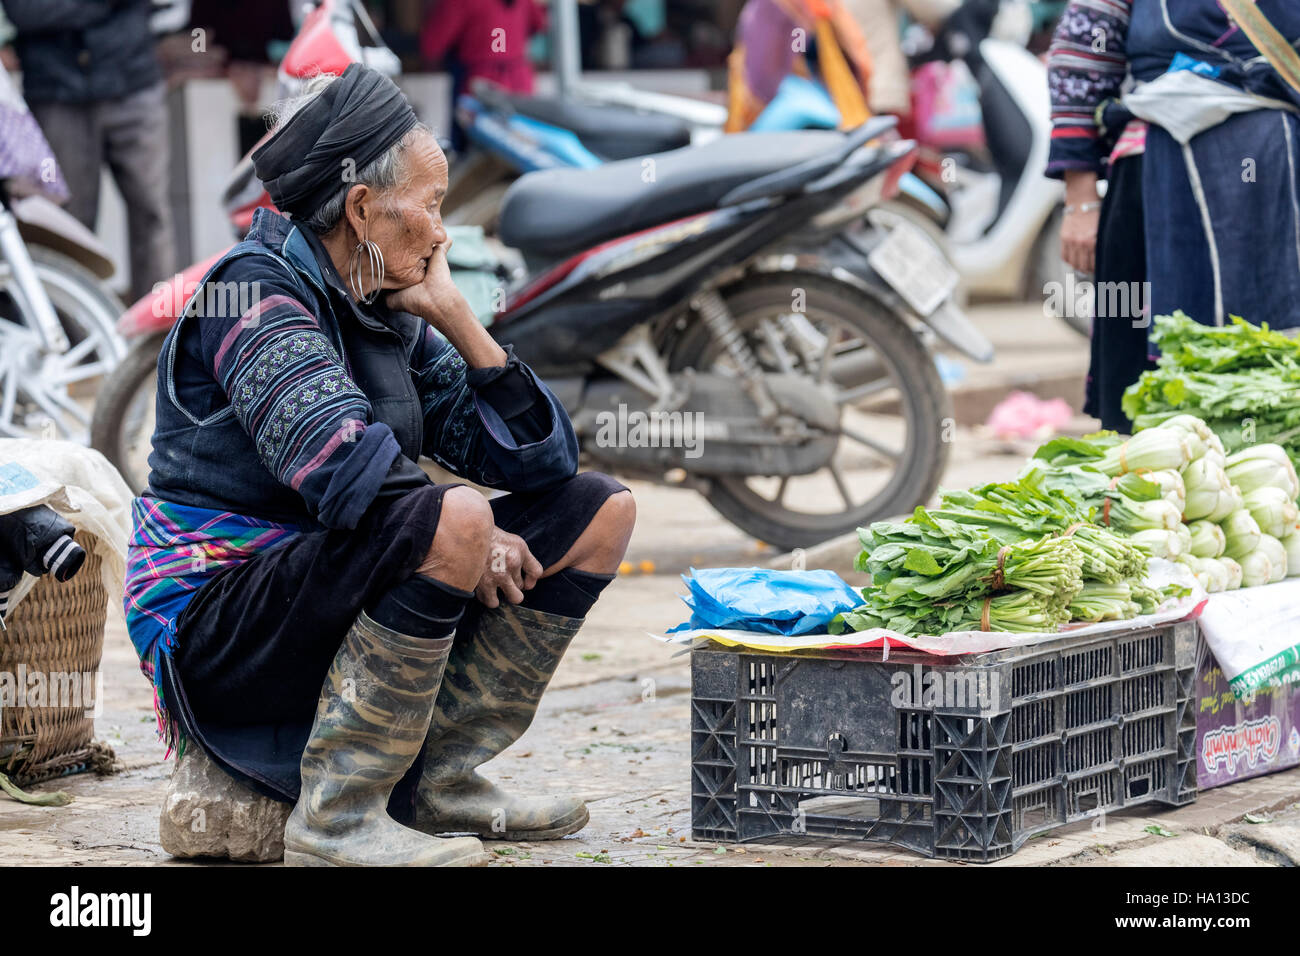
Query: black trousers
{"x": 254, "y": 645}
{"x": 1119, "y": 350}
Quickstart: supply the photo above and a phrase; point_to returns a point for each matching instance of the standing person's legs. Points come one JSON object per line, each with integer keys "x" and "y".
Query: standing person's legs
{"x": 138, "y": 153}
{"x": 1183, "y": 262}
{"x": 1119, "y": 331}
{"x": 74, "y": 133}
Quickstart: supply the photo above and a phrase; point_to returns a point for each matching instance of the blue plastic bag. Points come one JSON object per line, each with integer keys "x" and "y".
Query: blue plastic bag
{"x": 760, "y": 599}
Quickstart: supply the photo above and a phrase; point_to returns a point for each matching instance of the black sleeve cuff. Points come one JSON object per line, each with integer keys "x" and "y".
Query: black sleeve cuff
{"x": 507, "y": 388}
{"x": 512, "y": 392}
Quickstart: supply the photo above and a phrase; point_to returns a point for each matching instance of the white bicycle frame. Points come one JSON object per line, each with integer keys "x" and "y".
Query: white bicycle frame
{"x": 19, "y": 276}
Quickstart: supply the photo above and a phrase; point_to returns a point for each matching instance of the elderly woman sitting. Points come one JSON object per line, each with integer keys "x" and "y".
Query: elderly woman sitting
{"x": 330, "y": 626}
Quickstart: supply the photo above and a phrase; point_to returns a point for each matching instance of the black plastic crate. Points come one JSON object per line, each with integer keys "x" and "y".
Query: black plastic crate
{"x": 962, "y": 758}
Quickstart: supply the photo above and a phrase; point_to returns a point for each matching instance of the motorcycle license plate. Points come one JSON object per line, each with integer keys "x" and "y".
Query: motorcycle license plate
{"x": 914, "y": 267}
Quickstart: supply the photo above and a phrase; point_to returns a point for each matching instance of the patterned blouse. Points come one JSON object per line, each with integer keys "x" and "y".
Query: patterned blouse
{"x": 1086, "y": 67}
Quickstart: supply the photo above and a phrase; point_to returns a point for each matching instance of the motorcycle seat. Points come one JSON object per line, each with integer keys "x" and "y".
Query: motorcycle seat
{"x": 558, "y": 212}
{"x": 611, "y": 132}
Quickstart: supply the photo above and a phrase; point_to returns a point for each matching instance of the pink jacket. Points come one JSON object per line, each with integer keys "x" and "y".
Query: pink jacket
{"x": 488, "y": 37}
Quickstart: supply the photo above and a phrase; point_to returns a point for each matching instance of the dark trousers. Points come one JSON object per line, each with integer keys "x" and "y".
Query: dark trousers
{"x": 1119, "y": 341}
{"x": 130, "y": 135}
{"x": 1223, "y": 220}
{"x": 254, "y": 645}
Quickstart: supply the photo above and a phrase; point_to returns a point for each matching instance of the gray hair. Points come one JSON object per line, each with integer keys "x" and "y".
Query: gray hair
{"x": 380, "y": 174}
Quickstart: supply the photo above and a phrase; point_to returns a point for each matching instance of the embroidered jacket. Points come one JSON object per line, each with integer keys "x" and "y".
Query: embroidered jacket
{"x": 283, "y": 408}
{"x": 280, "y": 400}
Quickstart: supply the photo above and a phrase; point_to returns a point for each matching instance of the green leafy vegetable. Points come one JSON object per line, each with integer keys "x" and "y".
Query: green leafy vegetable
{"x": 1242, "y": 380}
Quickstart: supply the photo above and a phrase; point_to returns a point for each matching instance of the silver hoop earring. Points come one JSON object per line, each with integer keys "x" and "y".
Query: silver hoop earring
{"x": 374, "y": 261}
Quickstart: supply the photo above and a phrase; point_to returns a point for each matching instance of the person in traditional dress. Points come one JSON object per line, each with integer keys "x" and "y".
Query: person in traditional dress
{"x": 329, "y": 625}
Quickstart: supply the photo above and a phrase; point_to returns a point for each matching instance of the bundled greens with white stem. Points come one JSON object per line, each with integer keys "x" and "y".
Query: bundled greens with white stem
{"x": 1069, "y": 539}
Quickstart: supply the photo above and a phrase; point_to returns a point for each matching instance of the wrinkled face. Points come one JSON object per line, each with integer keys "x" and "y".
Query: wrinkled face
{"x": 408, "y": 225}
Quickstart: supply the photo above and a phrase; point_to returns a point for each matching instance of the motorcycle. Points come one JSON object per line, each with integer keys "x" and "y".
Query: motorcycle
{"x": 565, "y": 133}
{"x": 508, "y": 127}
{"x": 512, "y": 134}
{"x": 998, "y": 221}
{"x": 716, "y": 306}
{"x": 57, "y": 318}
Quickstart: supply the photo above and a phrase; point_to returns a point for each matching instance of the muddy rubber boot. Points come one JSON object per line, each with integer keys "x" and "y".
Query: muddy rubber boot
{"x": 370, "y": 724}
{"x": 494, "y": 681}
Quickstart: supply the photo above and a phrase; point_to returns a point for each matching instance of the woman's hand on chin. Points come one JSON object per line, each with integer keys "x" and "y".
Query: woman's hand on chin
{"x": 434, "y": 297}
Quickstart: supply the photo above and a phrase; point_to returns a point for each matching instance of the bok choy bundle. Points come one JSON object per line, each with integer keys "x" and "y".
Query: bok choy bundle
{"x": 1010, "y": 556}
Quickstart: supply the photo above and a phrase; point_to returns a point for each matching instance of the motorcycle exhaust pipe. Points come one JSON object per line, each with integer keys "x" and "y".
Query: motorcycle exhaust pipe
{"x": 859, "y": 368}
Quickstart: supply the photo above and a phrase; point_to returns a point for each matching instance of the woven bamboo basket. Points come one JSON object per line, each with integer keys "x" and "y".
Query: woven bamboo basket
{"x": 57, "y": 629}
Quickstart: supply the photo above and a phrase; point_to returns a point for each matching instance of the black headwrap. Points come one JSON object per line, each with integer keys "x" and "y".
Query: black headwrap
{"x": 358, "y": 117}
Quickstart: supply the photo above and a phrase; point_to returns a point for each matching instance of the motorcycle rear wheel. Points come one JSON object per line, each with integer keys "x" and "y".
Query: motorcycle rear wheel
{"x": 908, "y": 389}
{"x": 122, "y": 426}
